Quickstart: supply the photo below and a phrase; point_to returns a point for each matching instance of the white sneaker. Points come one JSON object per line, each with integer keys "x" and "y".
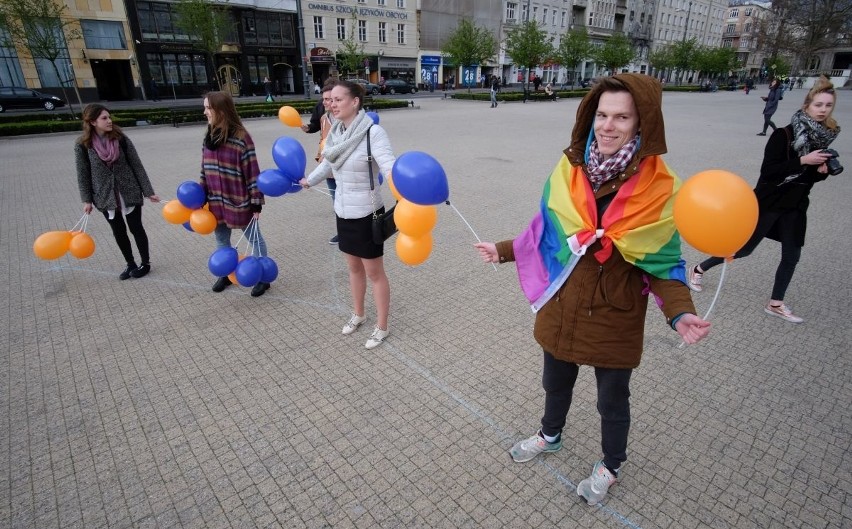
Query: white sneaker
{"x": 377, "y": 338}
{"x": 354, "y": 322}
{"x": 783, "y": 312}
{"x": 693, "y": 279}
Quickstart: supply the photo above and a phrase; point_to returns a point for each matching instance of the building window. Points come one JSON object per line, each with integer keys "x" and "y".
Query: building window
{"x": 525, "y": 14}
{"x": 748, "y": 12}
{"x": 563, "y": 19}
{"x": 510, "y": 11}
{"x": 544, "y": 16}
{"x": 381, "y": 2}
{"x": 553, "y": 18}
{"x": 319, "y": 32}
{"x": 10, "y": 67}
{"x": 534, "y": 13}
{"x": 747, "y": 28}
{"x": 383, "y": 32}
{"x": 268, "y": 29}
{"x": 362, "y": 30}
{"x": 734, "y": 13}
{"x": 46, "y": 72}
{"x": 103, "y": 35}
{"x": 400, "y": 4}
{"x": 730, "y": 29}
{"x": 400, "y": 33}
{"x": 341, "y": 29}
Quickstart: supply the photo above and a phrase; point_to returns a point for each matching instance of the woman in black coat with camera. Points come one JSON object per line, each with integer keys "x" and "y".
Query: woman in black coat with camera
{"x": 795, "y": 158}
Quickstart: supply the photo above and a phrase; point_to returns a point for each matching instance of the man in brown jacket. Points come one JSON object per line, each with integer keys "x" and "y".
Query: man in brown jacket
{"x": 606, "y": 227}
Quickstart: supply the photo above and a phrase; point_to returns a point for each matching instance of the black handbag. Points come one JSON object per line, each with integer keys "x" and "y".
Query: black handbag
{"x": 383, "y": 224}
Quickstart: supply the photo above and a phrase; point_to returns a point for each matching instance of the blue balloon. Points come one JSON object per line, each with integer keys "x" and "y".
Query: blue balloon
{"x": 223, "y": 261}
{"x": 191, "y": 194}
{"x": 272, "y": 182}
{"x": 289, "y": 156}
{"x": 374, "y": 117}
{"x": 381, "y": 179}
{"x": 270, "y": 269}
{"x": 249, "y": 271}
{"x": 419, "y": 178}
{"x": 189, "y": 228}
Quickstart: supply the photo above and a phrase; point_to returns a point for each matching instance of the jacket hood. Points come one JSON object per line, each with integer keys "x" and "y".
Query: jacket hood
{"x": 647, "y": 94}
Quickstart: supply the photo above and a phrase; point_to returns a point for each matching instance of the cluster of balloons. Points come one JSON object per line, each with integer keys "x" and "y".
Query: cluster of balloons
{"x": 716, "y": 211}
{"x": 289, "y": 156}
{"x": 245, "y": 270}
{"x": 418, "y": 182}
{"x": 55, "y": 244}
{"x": 188, "y": 210}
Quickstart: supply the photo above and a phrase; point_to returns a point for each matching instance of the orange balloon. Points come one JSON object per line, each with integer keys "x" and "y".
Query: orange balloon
{"x": 233, "y": 275}
{"x": 289, "y": 116}
{"x": 175, "y": 212}
{"x": 202, "y": 221}
{"x": 82, "y": 245}
{"x": 413, "y": 250}
{"x": 52, "y": 244}
{"x": 716, "y": 212}
{"x": 413, "y": 219}
{"x": 392, "y": 187}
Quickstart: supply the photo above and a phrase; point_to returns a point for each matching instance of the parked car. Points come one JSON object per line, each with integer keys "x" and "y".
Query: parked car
{"x": 369, "y": 87}
{"x": 17, "y": 97}
{"x": 398, "y": 86}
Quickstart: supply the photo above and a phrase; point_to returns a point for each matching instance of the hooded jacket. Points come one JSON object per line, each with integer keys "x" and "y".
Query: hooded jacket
{"x": 597, "y": 317}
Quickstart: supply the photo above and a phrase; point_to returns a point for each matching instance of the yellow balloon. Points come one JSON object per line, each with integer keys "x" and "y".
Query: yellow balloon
{"x": 413, "y": 219}
{"x": 52, "y": 244}
{"x": 175, "y": 212}
{"x": 289, "y": 116}
{"x": 392, "y": 187}
{"x": 82, "y": 246}
{"x": 202, "y": 221}
{"x": 413, "y": 250}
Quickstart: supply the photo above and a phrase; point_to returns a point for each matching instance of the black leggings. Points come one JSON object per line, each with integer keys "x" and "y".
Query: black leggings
{"x": 787, "y": 223}
{"x": 613, "y": 404}
{"x": 119, "y": 230}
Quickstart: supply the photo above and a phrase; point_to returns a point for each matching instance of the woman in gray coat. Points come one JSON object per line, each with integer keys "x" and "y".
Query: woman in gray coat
{"x": 771, "y": 106}
{"x": 111, "y": 178}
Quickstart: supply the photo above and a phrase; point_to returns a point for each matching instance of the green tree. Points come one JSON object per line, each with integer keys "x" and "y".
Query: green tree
{"x": 42, "y": 27}
{"x": 469, "y": 45}
{"x": 615, "y": 53}
{"x": 683, "y": 57}
{"x": 715, "y": 62}
{"x": 661, "y": 59}
{"x": 207, "y": 24}
{"x": 529, "y": 46}
{"x": 350, "y": 54}
{"x": 573, "y": 49}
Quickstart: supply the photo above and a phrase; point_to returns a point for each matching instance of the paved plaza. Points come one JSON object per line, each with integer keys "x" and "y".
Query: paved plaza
{"x": 154, "y": 402}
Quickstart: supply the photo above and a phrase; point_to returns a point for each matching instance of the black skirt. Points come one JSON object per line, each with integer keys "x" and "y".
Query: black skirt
{"x": 356, "y": 237}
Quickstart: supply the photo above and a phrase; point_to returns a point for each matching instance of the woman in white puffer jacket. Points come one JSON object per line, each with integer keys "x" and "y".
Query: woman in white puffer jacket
{"x": 345, "y": 159}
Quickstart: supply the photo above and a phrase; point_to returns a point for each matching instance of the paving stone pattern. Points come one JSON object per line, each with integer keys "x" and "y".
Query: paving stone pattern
{"x": 154, "y": 402}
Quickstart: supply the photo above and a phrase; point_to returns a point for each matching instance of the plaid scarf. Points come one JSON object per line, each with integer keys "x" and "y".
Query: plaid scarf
{"x": 600, "y": 171}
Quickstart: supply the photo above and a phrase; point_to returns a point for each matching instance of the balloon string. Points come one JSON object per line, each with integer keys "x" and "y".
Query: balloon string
{"x": 318, "y": 190}
{"x": 243, "y": 234}
{"x": 80, "y": 223}
{"x": 715, "y": 296}
{"x": 468, "y": 227}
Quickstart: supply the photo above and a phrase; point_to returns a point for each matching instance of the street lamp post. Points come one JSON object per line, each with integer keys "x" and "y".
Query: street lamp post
{"x": 303, "y": 51}
{"x": 686, "y": 26}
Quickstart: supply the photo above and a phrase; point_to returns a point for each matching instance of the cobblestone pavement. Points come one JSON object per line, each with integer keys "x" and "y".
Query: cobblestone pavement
{"x": 156, "y": 403}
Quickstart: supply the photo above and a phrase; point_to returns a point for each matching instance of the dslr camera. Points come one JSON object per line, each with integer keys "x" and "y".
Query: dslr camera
{"x": 833, "y": 165}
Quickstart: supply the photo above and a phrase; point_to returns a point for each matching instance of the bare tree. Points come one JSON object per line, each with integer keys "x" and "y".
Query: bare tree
{"x": 208, "y": 26}
{"x": 42, "y": 27}
{"x": 803, "y": 28}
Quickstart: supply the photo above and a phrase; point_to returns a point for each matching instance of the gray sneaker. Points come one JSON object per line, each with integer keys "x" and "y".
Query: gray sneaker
{"x": 527, "y": 449}
{"x": 594, "y": 488}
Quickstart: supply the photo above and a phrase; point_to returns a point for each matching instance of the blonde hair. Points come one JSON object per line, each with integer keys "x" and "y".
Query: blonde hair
{"x": 822, "y": 86}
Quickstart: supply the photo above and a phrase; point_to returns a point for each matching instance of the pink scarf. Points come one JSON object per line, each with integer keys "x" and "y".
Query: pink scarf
{"x": 107, "y": 149}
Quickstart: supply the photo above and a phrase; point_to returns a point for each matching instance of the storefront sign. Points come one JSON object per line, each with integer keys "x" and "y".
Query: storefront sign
{"x": 322, "y": 55}
{"x": 430, "y": 59}
{"x": 360, "y": 11}
{"x": 398, "y": 63}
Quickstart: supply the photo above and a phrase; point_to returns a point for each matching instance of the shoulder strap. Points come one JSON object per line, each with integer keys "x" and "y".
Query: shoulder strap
{"x": 370, "y": 160}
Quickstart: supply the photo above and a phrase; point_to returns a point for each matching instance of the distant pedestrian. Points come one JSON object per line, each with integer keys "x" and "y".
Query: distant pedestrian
{"x": 495, "y": 89}
{"x": 267, "y": 86}
{"x": 771, "y": 106}
{"x": 536, "y": 82}
{"x": 110, "y": 177}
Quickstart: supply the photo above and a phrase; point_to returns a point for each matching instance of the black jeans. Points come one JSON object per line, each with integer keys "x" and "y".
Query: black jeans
{"x": 119, "y": 231}
{"x": 613, "y": 404}
{"x": 790, "y": 250}
{"x": 767, "y": 122}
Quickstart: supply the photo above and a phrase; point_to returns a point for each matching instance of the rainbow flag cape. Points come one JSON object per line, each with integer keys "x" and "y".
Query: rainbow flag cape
{"x": 638, "y": 222}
